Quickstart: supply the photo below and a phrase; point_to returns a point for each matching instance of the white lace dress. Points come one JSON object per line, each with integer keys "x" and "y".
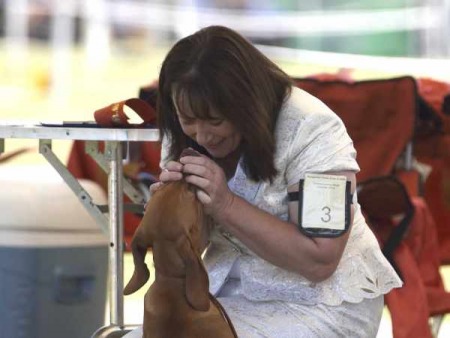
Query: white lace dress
{"x": 264, "y": 300}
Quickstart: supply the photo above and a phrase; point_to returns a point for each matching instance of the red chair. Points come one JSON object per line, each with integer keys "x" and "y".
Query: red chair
{"x": 432, "y": 146}
{"x": 380, "y": 116}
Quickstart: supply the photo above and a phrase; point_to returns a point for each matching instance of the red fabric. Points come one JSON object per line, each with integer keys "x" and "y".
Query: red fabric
{"x": 411, "y": 181}
{"x": 379, "y": 116}
{"x": 83, "y": 166}
{"x": 113, "y": 115}
{"x": 434, "y": 92}
{"x": 434, "y": 150}
{"x": 422, "y": 241}
{"x": 437, "y": 196}
{"x": 423, "y": 293}
{"x": 408, "y": 305}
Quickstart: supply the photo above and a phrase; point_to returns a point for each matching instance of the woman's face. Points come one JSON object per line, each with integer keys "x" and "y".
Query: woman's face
{"x": 217, "y": 135}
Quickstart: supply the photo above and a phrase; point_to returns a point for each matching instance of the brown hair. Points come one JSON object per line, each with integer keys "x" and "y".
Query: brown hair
{"x": 216, "y": 68}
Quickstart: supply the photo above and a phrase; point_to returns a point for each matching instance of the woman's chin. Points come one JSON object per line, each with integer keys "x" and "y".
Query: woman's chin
{"x": 216, "y": 153}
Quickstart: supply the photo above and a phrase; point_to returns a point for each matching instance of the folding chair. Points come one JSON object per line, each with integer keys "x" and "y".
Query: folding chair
{"x": 380, "y": 116}
{"x": 432, "y": 147}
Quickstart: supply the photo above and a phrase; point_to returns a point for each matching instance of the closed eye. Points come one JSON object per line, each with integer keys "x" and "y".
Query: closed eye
{"x": 216, "y": 122}
{"x": 187, "y": 120}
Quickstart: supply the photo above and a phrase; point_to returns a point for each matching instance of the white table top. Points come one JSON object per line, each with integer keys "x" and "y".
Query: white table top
{"x": 32, "y": 130}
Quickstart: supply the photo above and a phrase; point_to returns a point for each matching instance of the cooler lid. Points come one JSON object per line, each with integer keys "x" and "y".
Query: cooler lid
{"x": 35, "y": 198}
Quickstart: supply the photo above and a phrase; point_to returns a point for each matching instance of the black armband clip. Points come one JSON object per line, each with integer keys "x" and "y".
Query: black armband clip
{"x": 324, "y": 209}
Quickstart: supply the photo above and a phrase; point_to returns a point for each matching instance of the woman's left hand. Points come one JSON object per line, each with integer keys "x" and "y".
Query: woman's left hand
{"x": 210, "y": 178}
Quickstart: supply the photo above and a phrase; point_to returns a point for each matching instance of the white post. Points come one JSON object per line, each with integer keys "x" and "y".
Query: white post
{"x": 62, "y": 36}
{"x": 446, "y": 27}
{"x": 96, "y": 33}
{"x": 435, "y": 40}
{"x": 16, "y": 33}
{"x": 185, "y": 18}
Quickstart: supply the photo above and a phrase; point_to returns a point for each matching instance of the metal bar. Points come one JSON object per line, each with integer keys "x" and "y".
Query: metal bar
{"x": 45, "y": 148}
{"x": 408, "y": 154}
{"x": 113, "y": 153}
{"x": 131, "y": 207}
{"x": 436, "y": 324}
{"x": 2, "y": 145}
{"x": 60, "y": 132}
{"x": 91, "y": 148}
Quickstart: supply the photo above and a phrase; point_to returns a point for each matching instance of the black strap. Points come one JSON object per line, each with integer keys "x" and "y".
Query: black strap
{"x": 293, "y": 196}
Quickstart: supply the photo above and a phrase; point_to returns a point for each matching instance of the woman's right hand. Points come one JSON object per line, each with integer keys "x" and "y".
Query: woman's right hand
{"x": 172, "y": 172}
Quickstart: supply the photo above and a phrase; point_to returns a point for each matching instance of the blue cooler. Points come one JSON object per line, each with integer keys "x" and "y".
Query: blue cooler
{"x": 53, "y": 257}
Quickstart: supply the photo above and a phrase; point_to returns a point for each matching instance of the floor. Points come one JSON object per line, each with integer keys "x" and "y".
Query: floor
{"x": 133, "y": 304}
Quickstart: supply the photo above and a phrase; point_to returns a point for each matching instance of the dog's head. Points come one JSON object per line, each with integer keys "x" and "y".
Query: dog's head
{"x": 174, "y": 213}
{"x": 174, "y": 217}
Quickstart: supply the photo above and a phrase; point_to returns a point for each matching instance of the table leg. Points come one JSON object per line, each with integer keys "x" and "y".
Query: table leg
{"x": 116, "y": 328}
{"x": 115, "y": 201}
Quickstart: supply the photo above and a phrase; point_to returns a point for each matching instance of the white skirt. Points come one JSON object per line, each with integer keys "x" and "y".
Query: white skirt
{"x": 276, "y": 319}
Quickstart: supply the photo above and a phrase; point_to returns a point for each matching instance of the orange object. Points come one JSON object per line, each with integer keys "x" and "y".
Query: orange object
{"x": 114, "y": 116}
{"x": 146, "y": 155}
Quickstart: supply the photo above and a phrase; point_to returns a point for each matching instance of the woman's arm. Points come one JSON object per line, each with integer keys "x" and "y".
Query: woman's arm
{"x": 277, "y": 241}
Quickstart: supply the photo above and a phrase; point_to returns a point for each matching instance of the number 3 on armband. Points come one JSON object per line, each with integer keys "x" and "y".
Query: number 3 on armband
{"x": 327, "y": 214}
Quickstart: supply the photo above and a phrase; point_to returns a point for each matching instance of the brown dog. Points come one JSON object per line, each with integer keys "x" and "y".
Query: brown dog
{"x": 178, "y": 304}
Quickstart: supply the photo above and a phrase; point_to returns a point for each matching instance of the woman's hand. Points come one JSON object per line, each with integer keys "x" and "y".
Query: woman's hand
{"x": 213, "y": 190}
{"x": 171, "y": 172}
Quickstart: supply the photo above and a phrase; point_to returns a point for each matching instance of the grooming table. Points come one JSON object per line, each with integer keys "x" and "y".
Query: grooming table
{"x": 110, "y": 160}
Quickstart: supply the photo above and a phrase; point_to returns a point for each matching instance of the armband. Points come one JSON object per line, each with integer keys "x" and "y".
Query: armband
{"x": 323, "y": 205}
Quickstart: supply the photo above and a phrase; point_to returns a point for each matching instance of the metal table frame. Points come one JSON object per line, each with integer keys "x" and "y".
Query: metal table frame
{"x": 111, "y": 162}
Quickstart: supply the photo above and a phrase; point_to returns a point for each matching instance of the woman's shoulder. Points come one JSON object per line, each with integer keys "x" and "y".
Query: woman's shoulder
{"x": 302, "y": 104}
{"x": 304, "y": 113}
{"x": 311, "y": 137}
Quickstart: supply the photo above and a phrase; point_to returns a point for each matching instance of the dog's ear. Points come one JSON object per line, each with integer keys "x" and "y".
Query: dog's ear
{"x": 139, "y": 245}
{"x": 189, "y": 152}
{"x": 197, "y": 284}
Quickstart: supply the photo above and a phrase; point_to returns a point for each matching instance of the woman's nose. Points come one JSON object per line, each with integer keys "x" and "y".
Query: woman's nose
{"x": 203, "y": 135}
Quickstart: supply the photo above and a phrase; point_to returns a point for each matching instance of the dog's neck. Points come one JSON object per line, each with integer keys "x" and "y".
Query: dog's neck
{"x": 168, "y": 272}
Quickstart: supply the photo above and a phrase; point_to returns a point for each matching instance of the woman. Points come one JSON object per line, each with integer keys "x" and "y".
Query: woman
{"x": 260, "y": 137}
